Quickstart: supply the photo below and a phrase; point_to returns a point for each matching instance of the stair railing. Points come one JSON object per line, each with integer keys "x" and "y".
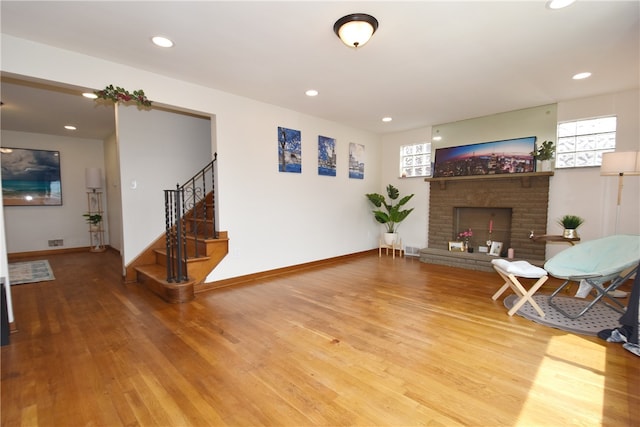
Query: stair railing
{"x": 189, "y": 209}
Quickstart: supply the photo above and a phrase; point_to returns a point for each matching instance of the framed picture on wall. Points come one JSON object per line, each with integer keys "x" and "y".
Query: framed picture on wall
{"x": 30, "y": 177}
{"x": 486, "y": 158}
{"x": 495, "y": 249}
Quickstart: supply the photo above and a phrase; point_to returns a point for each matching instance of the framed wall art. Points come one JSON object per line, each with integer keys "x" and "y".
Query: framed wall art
{"x": 30, "y": 177}
{"x": 326, "y": 156}
{"x": 289, "y": 150}
{"x": 486, "y": 158}
{"x": 356, "y": 161}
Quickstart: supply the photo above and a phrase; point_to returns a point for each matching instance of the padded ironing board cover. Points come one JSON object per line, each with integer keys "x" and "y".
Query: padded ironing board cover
{"x": 606, "y": 257}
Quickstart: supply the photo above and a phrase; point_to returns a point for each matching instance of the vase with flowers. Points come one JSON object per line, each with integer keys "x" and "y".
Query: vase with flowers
{"x": 466, "y": 236}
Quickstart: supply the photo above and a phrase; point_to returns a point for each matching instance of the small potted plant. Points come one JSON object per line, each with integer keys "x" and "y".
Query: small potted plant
{"x": 570, "y": 224}
{"x": 93, "y": 219}
{"x": 394, "y": 214}
{"x": 544, "y": 153}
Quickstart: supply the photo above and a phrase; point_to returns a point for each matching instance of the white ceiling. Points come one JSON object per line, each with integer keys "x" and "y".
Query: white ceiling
{"x": 428, "y": 63}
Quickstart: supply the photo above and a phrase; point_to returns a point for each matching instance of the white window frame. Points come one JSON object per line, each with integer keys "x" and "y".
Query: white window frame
{"x": 582, "y": 142}
{"x": 415, "y": 160}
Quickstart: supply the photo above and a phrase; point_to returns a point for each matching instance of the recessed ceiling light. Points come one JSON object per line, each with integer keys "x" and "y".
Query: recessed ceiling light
{"x": 70, "y": 127}
{"x": 581, "y": 76}
{"x": 437, "y": 138}
{"x": 90, "y": 95}
{"x": 311, "y": 92}
{"x": 161, "y": 41}
{"x": 386, "y": 119}
{"x": 559, "y": 4}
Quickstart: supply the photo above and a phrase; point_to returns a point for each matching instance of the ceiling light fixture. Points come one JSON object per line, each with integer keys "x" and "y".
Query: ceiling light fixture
{"x": 311, "y": 92}
{"x": 90, "y": 95}
{"x": 161, "y": 41}
{"x": 70, "y": 127}
{"x": 387, "y": 119}
{"x": 355, "y": 29}
{"x": 581, "y": 76}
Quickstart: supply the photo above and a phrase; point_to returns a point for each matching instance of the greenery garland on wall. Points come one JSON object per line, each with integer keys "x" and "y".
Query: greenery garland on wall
{"x": 118, "y": 94}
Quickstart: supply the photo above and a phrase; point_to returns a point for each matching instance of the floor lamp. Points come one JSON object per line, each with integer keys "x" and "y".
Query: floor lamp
{"x": 620, "y": 164}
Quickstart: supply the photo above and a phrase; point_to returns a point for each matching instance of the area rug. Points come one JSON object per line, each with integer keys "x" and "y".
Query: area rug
{"x": 30, "y": 272}
{"x": 599, "y": 317}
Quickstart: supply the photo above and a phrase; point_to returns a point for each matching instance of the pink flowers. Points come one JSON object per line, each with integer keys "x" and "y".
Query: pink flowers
{"x": 465, "y": 234}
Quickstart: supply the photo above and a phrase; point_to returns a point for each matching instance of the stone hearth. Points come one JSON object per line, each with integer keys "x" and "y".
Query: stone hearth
{"x": 527, "y": 195}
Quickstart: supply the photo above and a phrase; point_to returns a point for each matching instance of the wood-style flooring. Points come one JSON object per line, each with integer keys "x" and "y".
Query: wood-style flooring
{"x": 365, "y": 341}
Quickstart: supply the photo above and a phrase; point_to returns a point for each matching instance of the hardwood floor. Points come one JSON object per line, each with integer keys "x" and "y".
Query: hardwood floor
{"x": 366, "y": 341}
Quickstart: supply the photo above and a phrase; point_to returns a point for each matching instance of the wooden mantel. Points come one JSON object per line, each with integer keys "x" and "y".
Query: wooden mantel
{"x": 524, "y": 177}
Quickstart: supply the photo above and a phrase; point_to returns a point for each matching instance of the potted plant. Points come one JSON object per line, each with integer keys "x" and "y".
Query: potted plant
{"x": 93, "y": 219}
{"x": 544, "y": 153}
{"x": 394, "y": 214}
{"x": 570, "y": 224}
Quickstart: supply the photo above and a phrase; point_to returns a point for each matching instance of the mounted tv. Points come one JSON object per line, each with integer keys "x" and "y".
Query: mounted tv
{"x": 486, "y": 158}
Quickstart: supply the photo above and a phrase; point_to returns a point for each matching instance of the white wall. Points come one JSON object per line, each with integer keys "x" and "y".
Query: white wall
{"x": 414, "y": 230}
{"x": 273, "y": 219}
{"x": 583, "y": 191}
{"x": 157, "y": 150}
{"x": 112, "y": 191}
{"x": 29, "y": 228}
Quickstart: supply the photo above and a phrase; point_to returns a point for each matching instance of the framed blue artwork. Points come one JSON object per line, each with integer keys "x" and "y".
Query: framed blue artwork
{"x": 356, "y": 161}
{"x": 30, "y": 177}
{"x": 289, "y": 150}
{"x": 326, "y": 156}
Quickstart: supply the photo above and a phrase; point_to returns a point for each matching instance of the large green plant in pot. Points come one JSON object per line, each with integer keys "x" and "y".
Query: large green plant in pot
{"x": 394, "y": 213}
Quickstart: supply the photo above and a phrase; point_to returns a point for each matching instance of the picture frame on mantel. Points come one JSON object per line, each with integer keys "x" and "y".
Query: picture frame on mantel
{"x": 455, "y": 246}
{"x": 495, "y": 249}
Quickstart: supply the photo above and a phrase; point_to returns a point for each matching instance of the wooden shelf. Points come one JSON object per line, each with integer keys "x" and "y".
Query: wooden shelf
{"x": 524, "y": 177}
{"x": 554, "y": 238}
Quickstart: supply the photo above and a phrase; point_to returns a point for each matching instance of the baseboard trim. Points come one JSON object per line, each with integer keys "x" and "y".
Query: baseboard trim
{"x": 20, "y": 255}
{"x": 242, "y": 280}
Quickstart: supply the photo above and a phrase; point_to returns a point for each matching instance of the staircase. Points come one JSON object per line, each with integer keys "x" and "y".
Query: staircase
{"x": 176, "y": 263}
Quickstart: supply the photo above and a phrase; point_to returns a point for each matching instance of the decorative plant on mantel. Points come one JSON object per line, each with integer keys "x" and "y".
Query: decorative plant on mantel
{"x": 118, "y": 94}
{"x": 393, "y": 215}
{"x": 544, "y": 151}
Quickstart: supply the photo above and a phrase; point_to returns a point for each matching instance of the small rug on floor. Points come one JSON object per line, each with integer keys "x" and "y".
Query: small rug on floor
{"x": 30, "y": 272}
{"x": 599, "y": 317}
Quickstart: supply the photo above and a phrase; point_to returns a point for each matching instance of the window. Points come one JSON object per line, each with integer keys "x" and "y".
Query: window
{"x": 582, "y": 142}
{"x": 415, "y": 160}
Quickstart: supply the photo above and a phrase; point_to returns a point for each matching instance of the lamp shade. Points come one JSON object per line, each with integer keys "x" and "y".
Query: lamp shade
{"x": 356, "y": 29}
{"x": 620, "y": 163}
{"x": 93, "y": 178}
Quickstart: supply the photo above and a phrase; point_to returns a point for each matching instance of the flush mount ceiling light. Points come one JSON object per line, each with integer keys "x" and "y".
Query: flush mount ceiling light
{"x": 356, "y": 29}
{"x": 90, "y": 95}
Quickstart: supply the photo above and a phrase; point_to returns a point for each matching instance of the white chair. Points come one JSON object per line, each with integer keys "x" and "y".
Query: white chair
{"x": 510, "y": 271}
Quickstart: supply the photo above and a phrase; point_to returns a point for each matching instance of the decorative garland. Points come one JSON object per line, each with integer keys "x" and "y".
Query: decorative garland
{"x": 119, "y": 94}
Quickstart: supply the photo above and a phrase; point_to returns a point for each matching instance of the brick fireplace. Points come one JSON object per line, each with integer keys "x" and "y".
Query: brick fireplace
{"x": 526, "y": 195}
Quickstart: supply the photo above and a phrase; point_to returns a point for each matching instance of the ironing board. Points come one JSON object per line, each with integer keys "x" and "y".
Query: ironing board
{"x": 612, "y": 259}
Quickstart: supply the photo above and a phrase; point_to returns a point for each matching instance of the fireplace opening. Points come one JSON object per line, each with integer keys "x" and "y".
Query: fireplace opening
{"x": 487, "y": 224}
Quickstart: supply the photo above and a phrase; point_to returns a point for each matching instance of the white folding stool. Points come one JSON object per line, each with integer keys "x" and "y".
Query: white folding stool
{"x": 510, "y": 271}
